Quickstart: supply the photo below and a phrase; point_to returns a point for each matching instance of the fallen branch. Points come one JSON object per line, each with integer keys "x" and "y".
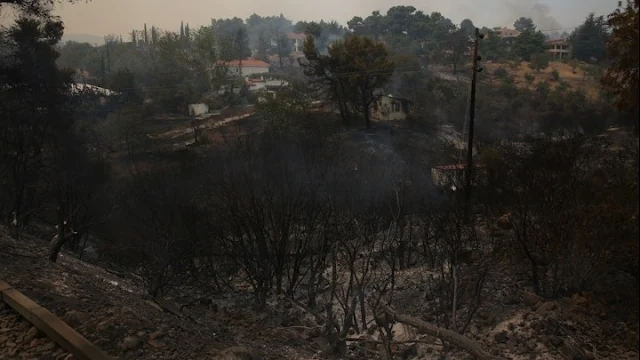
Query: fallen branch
{"x": 395, "y": 342}
{"x": 443, "y": 334}
{"x": 116, "y": 273}
{"x": 320, "y": 320}
{"x": 20, "y": 255}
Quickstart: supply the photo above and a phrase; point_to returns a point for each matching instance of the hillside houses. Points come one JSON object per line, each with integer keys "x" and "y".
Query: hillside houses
{"x": 558, "y": 49}
{"x": 245, "y": 68}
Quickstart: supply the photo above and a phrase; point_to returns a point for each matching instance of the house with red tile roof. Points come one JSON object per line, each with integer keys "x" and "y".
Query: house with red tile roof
{"x": 249, "y": 67}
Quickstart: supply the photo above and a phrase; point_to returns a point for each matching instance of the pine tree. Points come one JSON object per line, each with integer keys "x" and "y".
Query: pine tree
{"x": 134, "y": 38}
{"x": 154, "y": 35}
{"x": 187, "y": 34}
{"x": 108, "y": 56}
{"x": 146, "y": 36}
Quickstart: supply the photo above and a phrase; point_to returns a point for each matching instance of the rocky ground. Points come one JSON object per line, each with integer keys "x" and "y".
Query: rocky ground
{"x": 108, "y": 309}
{"x": 20, "y": 340}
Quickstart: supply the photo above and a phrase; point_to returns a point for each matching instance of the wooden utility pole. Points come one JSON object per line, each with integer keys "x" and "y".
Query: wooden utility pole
{"x": 472, "y": 113}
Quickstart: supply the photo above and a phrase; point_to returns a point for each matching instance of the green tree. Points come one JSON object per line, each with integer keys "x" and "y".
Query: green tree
{"x": 492, "y": 47}
{"x": 467, "y": 27}
{"x": 241, "y": 47}
{"x": 32, "y": 7}
{"x": 283, "y": 46}
{"x": 528, "y": 43}
{"x": 621, "y": 78}
{"x": 589, "y": 40}
{"x": 539, "y": 62}
{"x": 123, "y": 81}
{"x": 352, "y": 70}
{"x": 524, "y": 24}
{"x": 154, "y": 35}
{"x": 460, "y": 47}
{"x": 35, "y": 111}
{"x": 263, "y": 47}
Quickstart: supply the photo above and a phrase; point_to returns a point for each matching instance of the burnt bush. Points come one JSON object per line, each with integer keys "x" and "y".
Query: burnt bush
{"x": 565, "y": 204}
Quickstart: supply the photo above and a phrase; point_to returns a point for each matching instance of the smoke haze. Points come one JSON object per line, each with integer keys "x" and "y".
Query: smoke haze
{"x": 101, "y": 17}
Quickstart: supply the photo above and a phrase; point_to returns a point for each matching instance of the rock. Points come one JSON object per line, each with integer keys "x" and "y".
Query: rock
{"x": 156, "y": 344}
{"x": 555, "y": 341}
{"x": 237, "y": 353}
{"x": 48, "y": 346}
{"x": 546, "y": 307}
{"x": 530, "y": 299}
{"x": 501, "y": 337}
{"x": 74, "y": 318}
{"x": 504, "y": 222}
{"x": 131, "y": 343}
{"x": 33, "y": 331}
{"x": 531, "y": 344}
{"x": 579, "y": 300}
{"x": 156, "y": 335}
{"x": 402, "y": 332}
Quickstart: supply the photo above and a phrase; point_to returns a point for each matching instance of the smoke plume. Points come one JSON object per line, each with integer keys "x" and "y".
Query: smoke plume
{"x": 538, "y": 12}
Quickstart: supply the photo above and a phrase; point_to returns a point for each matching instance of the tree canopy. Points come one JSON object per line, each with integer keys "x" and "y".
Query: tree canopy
{"x": 622, "y": 76}
{"x": 351, "y": 72}
{"x": 589, "y": 40}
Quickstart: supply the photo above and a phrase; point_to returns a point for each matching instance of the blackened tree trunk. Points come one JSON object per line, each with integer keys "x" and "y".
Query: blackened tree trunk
{"x": 58, "y": 241}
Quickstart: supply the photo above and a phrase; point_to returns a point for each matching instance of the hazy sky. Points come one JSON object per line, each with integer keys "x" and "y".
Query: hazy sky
{"x": 100, "y": 17}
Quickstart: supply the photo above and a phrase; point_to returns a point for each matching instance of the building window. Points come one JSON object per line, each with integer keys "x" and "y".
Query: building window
{"x": 395, "y": 107}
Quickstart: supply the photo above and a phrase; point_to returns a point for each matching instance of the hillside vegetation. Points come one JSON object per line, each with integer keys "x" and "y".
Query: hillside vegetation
{"x": 328, "y": 216}
{"x": 578, "y": 78}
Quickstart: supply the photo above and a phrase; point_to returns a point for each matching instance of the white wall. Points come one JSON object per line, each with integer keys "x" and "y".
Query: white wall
{"x": 249, "y": 70}
{"x": 198, "y": 109}
{"x": 384, "y": 110}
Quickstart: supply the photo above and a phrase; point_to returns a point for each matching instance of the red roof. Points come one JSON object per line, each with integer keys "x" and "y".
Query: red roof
{"x": 245, "y": 62}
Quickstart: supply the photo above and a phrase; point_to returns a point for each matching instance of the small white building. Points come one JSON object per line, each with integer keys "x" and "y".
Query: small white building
{"x": 196, "y": 110}
{"x": 297, "y": 41}
{"x": 453, "y": 176}
{"x": 390, "y": 108}
{"x": 249, "y": 67}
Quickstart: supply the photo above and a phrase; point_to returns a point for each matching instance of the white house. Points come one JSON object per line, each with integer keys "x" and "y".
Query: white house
{"x": 249, "y": 67}
{"x": 297, "y": 41}
{"x": 390, "y": 108}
